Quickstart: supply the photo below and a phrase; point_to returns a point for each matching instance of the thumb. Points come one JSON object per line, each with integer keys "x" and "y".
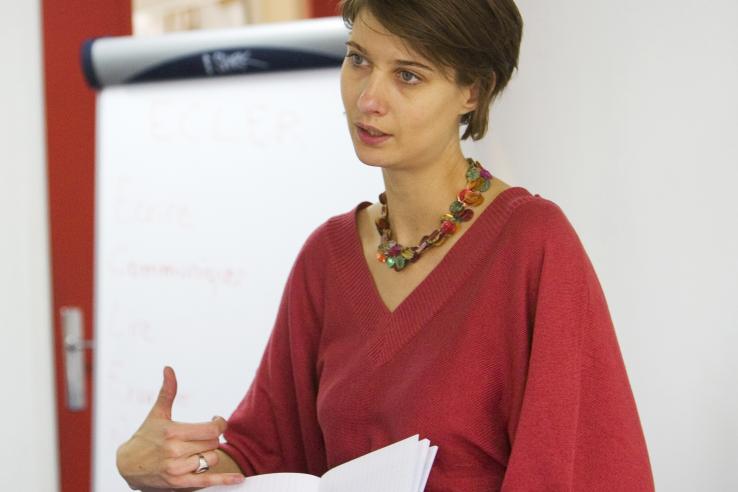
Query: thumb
{"x": 163, "y": 406}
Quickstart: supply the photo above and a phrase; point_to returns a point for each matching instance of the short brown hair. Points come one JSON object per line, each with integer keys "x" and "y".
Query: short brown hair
{"x": 479, "y": 40}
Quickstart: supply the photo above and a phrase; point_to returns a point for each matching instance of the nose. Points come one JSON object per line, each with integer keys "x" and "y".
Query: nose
{"x": 372, "y": 98}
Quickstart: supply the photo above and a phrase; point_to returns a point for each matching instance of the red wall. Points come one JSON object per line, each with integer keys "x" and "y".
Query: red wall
{"x": 324, "y": 8}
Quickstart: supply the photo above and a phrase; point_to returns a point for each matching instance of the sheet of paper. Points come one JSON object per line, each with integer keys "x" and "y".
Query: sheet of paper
{"x": 420, "y": 465}
{"x": 389, "y": 469}
{"x": 273, "y": 482}
{"x": 427, "y": 467}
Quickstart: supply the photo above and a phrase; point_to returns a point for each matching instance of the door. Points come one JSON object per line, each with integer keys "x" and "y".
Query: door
{"x": 70, "y": 123}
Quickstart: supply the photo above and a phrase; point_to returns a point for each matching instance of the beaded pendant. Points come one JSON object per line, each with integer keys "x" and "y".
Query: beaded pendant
{"x": 397, "y": 256}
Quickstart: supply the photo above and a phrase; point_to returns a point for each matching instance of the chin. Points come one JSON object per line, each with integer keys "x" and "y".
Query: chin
{"x": 369, "y": 160}
{"x": 374, "y": 157}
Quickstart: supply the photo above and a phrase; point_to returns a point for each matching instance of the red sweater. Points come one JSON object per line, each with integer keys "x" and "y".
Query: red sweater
{"x": 505, "y": 357}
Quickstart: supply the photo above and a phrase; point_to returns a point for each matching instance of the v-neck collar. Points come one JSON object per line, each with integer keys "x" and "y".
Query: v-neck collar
{"x": 388, "y": 330}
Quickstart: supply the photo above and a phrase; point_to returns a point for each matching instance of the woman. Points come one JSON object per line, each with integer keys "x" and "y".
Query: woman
{"x": 486, "y": 332}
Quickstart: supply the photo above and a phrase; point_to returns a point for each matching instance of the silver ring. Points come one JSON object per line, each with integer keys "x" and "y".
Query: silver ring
{"x": 203, "y": 466}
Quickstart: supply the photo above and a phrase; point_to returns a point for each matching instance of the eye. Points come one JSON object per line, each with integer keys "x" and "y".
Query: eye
{"x": 355, "y": 58}
{"x": 409, "y": 77}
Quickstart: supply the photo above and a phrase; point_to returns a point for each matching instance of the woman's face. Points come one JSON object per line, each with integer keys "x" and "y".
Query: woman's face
{"x": 400, "y": 94}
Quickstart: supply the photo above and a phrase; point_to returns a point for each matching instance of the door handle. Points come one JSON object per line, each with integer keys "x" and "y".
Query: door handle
{"x": 72, "y": 321}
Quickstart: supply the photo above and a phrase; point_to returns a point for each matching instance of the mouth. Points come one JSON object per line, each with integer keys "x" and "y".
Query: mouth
{"x": 371, "y": 135}
{"x": 374, "y": 132}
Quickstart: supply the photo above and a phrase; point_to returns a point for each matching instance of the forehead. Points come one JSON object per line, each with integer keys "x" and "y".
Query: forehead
{"x": 374, "y": 37}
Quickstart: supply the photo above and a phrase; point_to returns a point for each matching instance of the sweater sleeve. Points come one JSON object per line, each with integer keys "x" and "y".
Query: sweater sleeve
{"x": 573, "y": 424}
{"x": 275, "y": 426}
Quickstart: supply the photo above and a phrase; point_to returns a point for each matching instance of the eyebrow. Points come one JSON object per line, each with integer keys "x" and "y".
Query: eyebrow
{"x": 399, "y": 62}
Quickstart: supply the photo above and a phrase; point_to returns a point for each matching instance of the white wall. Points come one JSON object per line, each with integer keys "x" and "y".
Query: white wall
{"x": 626, "y": 114}
{"x": 28, "y": 455}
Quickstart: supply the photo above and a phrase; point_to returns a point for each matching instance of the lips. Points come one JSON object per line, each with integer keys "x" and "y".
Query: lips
{"x": 374, "y": 139}
{"x": 373, "y": 131}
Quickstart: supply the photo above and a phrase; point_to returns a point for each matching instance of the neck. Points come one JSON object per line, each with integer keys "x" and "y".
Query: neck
{"x": 417, "y": 197}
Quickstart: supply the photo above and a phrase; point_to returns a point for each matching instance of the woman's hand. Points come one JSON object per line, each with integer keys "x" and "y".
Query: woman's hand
{"x": 162, "y": 454}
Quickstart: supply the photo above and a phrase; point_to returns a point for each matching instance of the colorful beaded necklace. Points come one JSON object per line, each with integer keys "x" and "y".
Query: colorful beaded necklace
{"x": 397, "y": 256}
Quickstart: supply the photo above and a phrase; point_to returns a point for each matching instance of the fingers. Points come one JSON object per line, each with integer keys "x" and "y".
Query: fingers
{"x": 205, "y": 480}
{"x": 221, "y": 423}
{"x": 177, "y": 449}
{"x": 181, "y": 473}
{"x": 163, "y": 406}
{"x": 191, "y": 463}
{"x": 195, "y": 432}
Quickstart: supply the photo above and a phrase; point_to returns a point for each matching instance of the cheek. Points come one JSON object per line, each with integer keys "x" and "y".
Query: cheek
{"x": 343, "y": 88}
{"x": 432, "y": 121}
{"x": 428, "y": 113}
{"x": 347, "y": 89}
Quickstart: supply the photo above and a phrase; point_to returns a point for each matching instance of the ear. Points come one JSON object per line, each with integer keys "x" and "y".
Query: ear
{"x": 471, "y": 95}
